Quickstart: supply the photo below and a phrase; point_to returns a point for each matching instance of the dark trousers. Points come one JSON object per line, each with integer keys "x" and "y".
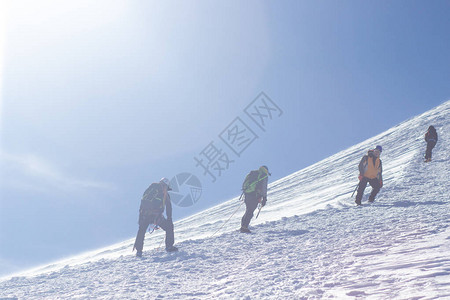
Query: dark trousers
{"x": 251, "y": 203}
{"x": 430, "y": 146}
{"x": 374, "y": 183}
{"x": 145, "y": 221}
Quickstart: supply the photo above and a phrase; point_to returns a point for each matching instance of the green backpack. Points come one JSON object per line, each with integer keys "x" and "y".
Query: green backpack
{"x": 251, "y": 180}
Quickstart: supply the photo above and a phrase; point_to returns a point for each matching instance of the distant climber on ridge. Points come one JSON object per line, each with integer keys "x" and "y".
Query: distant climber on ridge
{"x": 431, "y": 138}
{"x": 153, "y": 202}
{"x": 255, "y": 192}
{"x": 370, "y": 171}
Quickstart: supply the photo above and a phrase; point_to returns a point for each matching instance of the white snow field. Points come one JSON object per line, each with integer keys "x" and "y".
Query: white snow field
{"x": 310, "y": 242}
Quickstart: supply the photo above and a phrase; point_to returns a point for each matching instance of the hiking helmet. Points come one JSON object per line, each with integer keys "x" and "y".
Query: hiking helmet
{"x": 165, "y": 181}
{"x": 265, "y": 169}
{"x": 379, "y": 148}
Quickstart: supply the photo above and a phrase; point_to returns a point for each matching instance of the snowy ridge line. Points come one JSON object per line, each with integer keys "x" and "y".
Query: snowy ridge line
{"x": 309, "y": 242}
{"x": 276, "y": 191}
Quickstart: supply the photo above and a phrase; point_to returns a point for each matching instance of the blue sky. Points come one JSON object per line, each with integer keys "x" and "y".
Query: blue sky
{"x": 101, "y": 98}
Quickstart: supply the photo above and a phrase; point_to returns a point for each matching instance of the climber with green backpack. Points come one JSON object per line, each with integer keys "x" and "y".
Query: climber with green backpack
{"x": 153, "y": 203}
{"x": 255, "y": 191}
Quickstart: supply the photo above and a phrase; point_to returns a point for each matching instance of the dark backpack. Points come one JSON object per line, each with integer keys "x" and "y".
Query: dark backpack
{"x": 250, "y": 182}
{"x": 431, "y": 134}
{"x": 153, "y": 199}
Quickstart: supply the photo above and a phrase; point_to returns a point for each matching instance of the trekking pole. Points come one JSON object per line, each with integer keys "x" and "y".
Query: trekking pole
{"x": 260, "y": 206}
{"x": 355, "y": 189}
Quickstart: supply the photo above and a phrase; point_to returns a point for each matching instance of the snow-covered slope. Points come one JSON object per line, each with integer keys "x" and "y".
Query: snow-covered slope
{"x": 309, "y": 242}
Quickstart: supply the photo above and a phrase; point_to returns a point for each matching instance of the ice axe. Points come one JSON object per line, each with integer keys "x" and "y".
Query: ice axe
{"x": 355, "y": 189}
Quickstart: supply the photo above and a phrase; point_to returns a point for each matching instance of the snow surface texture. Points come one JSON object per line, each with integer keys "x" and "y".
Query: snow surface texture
{"x": 309, "y": 242}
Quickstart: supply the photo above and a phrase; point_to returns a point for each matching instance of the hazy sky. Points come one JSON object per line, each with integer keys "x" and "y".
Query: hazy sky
{"x": 102, "y": 98}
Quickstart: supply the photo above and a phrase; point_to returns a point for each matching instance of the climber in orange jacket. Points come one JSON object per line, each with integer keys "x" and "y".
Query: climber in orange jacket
{"x": 370, "y": 171}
